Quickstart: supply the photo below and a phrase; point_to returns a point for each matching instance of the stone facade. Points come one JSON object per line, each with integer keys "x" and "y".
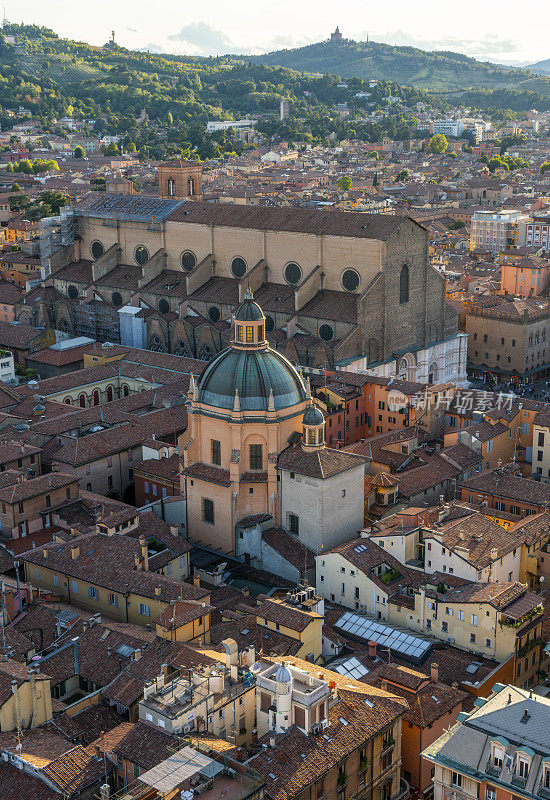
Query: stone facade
{"x": 332, "y": 284}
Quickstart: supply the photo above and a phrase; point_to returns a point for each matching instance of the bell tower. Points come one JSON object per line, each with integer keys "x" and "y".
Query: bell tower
{"x": 180, "y": 180}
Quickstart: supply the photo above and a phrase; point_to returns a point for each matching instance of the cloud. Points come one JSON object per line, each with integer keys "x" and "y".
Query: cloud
{"x": 132, "y": 30}
{"x": 202, "y": 39}
{"x": 486, "y": 47}
{"x": 151, "y": 47}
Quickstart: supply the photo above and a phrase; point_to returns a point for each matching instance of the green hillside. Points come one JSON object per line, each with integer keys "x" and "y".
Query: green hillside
{"x": 406, "y": 65}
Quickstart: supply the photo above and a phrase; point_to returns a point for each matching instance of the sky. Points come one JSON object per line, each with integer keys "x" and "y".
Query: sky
{"x": 491, "y": 30}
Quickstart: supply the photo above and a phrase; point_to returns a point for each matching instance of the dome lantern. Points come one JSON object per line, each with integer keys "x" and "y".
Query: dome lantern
{"x": 249, "y": 324}
{"x": 313, "y": 435}
{"x": 249, "y": 375}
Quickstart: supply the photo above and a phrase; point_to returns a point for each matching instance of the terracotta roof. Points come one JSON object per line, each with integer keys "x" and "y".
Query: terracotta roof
{"x": 34, "y": 487}
{"x": 19, "y": 785}
{"x": 145, "y": 745}
{"x": 282, "y": 613}
{"x": 501, "y": 483}
{"x": 209, "y": 473}
{"x": 290, "y": 548}
{"x": 319, "y": 223}
{"x": 318, "y": 463}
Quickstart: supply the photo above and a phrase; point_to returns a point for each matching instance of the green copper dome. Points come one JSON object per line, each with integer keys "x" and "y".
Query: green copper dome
{"x": 249, "y": 310}
{"x": 313, "y": 416}
{"x": 253, "y": 373}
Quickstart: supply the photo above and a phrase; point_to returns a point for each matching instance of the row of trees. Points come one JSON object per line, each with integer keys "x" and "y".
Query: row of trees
{"x": 33, "y": 167}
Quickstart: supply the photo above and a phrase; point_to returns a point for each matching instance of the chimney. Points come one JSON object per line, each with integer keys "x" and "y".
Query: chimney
{"x": 164, "y": 669}
{"x": 105, "y": 791}
{"x": 384, "y": 685}
{"x": 137, "y": 562}
{"x": 75, "y": 551}
{"x": 272, "y": 741}
{"x": 434, "y": 672}
{"x": 174, "y": 530}
{"x": 157, "y": 591}
{"x": 137, "y": 654}
{"x": 245, "y": 591}
{"x": 251, "y": 655}
{"x": 494, "y": 553}
{"x": 45, "y": 553}
{"x": 144, "y": 552}
{"x": 372, "y": 649}
{"x": 196, "y": 581}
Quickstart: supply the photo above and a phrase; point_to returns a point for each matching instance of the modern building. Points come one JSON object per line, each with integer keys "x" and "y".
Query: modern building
{"x": 495, "y": 231}
{"x": 535, "y": 232}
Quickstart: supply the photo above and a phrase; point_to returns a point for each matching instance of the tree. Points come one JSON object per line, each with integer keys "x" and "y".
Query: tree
{"x": 344, "y": 184}
{"x": 79, "y": 152}
{"x": 375, "y": 180}
{"x": 402, "y": 176}
{"x": 16, "y": 188}
{"x": 544, "y": 167}
{"x": 169, "y": 119}
{"x": 112, "y": 150}
{"x": 9, "y": 167}
{"x": 455, "y": 226}
{"x": 438, "y": 143}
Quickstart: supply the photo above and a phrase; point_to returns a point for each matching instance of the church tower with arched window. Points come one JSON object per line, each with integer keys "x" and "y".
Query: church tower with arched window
{"x": 180, "y": 180}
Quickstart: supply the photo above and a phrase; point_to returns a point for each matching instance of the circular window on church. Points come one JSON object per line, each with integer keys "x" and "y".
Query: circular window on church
{"x": 72, "y": 291}
{"x": 326, "y": 332}
{"x": 269, "y": 323}
{"x": 164, "y": 306}
{"x": 350, "y": 280}
{"x": 214, "y": 314}
{"x": 238, "y": 267}
{"x": 97, "y": 250}
{"x": 141, "y": 255}
{"x": 293, "y": 273}
{"x": 116, "y": 298}
{"x": 188, "y": 260}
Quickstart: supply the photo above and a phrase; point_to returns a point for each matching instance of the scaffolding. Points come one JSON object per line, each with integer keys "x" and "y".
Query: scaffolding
{"x": 98, "y": 320}
{"x": 55, "y": 233}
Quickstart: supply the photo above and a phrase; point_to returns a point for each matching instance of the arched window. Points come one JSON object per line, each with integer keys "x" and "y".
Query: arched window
{"x": 191, "y": 187}
{"x": 125, "y": 391}
{"x": 82, "y": 400}
{"x": 96, "y": 398}
{"x": 171, "y": 187}
{"x": 67, "y": 400}
{"x": 404, "y": 285}
{"x": 109, "y": 393}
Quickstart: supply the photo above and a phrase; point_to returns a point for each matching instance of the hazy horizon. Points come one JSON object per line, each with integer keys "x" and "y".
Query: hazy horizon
{"x": 217, "y": 29}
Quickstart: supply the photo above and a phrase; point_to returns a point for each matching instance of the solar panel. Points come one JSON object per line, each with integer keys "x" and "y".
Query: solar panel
{"x": 398, "y": 641}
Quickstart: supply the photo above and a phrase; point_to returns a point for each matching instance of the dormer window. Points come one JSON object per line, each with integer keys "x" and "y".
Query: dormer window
{"x": 546, "y": 774}
{"x": 497, "y": 755}
{"x": 523, "y": 766}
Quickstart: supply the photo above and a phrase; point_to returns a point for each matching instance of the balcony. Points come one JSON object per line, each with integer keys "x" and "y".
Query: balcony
{"x": 387, "y": 745}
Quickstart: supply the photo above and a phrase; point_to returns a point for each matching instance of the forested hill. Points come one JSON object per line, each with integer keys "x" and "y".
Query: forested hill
{"x": 405, "y": 65}
{"x": 52, "y": 77}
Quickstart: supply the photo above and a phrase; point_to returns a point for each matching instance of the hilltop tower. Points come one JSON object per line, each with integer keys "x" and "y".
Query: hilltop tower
{"x": 336, "y": 36}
